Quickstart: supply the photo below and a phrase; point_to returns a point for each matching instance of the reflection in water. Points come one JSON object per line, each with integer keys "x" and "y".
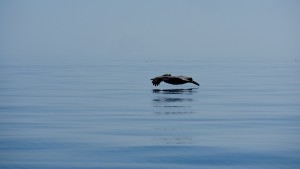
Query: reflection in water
{"x": 173, "y": 113}
{"x": 165, "y": 98}
{"x": 178, "y": 101}
{"x": 178, "y": 96}
{"x": 177, "y": 140}
{"x": 169, "y": 100}
{"x": 175, "y": 91}
{"x": 173, "y": 102}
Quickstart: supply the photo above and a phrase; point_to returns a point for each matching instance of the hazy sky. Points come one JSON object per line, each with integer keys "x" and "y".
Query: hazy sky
{"x": 61, "y": 31}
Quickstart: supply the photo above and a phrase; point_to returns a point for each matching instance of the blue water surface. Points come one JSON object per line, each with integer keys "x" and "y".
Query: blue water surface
{"x": 109, "y": 116}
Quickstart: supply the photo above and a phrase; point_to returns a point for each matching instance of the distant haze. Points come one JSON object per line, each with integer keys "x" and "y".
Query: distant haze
{"x": 55, "y": 31}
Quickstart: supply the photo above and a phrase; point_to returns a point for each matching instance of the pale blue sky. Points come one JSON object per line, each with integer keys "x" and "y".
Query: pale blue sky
{"x": 61, "y": 31}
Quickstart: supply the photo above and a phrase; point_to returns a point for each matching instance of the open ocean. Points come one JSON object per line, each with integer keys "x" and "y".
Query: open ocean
{"x": 244, "y": 114}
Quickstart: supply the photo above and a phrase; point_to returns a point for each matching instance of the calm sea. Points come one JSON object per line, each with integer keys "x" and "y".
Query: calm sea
{"x": 108, "y": 116}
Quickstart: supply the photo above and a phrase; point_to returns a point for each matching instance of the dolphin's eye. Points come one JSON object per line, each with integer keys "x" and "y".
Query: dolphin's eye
{"x": 190, "y": 78}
